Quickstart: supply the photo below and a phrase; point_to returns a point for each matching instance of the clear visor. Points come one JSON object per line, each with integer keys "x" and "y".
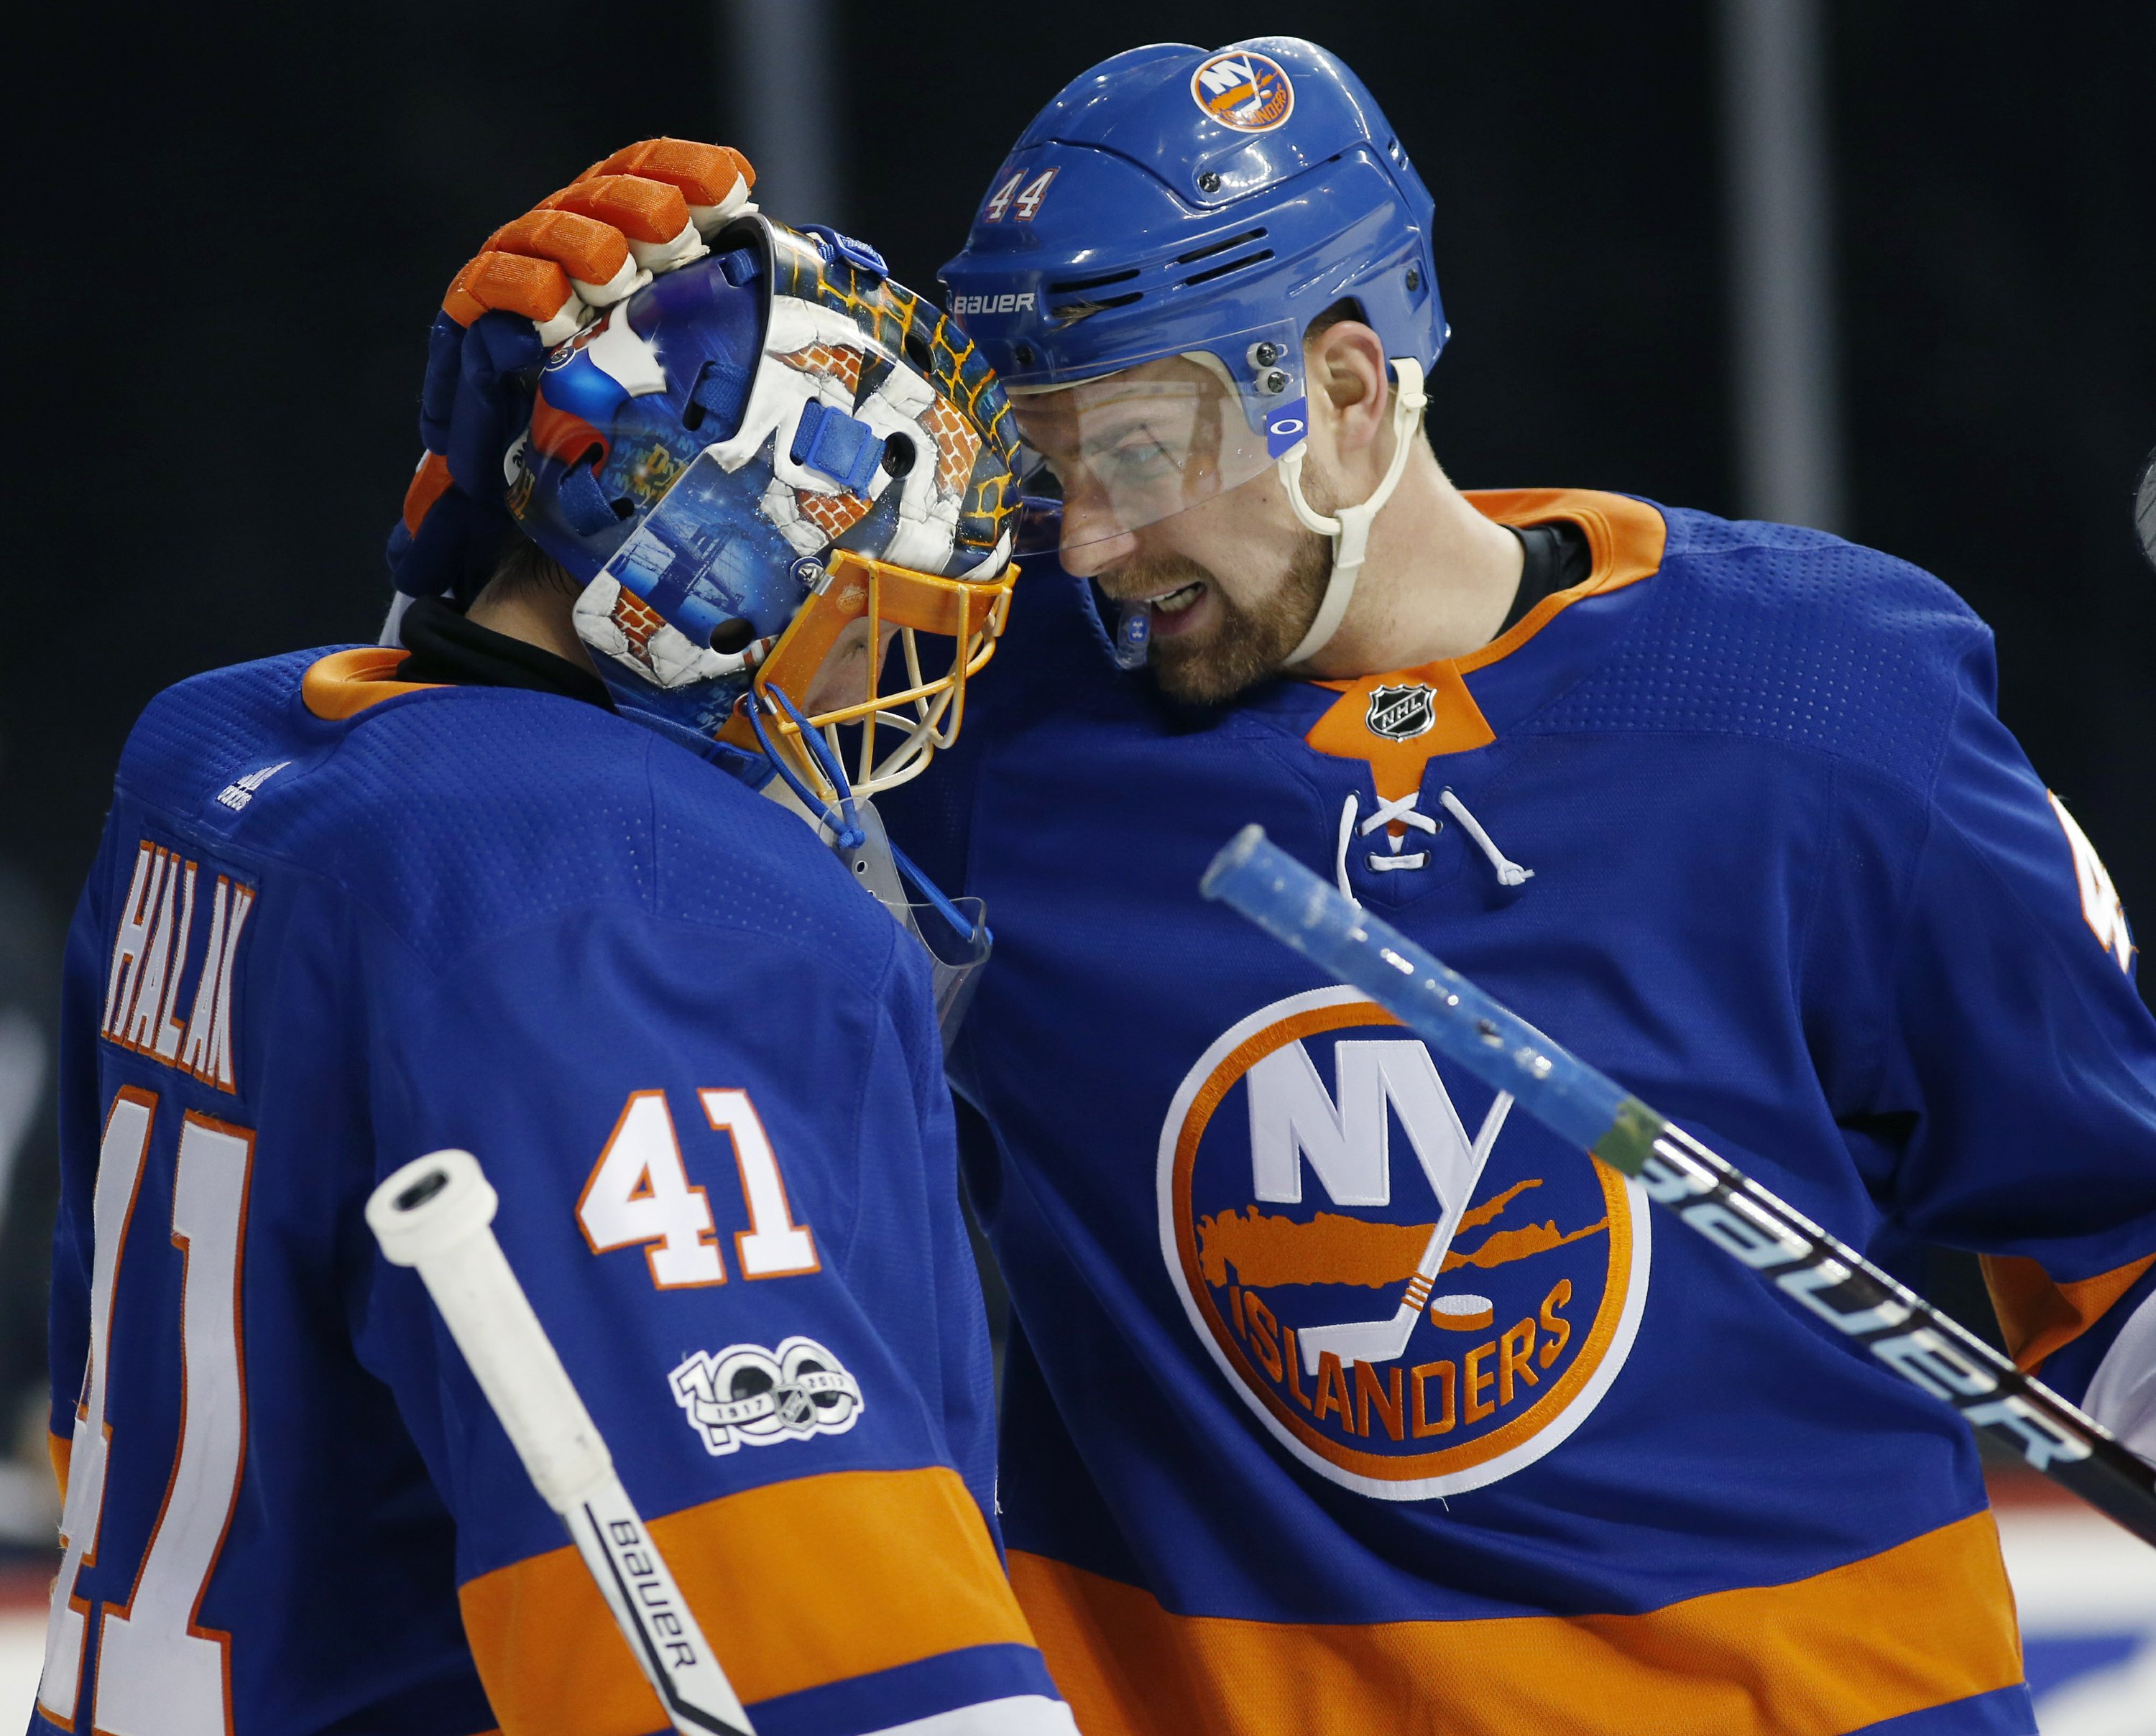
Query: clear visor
{"x": 1139, "y": 446}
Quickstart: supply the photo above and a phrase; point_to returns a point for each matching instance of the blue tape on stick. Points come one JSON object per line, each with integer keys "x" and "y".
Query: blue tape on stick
{"x": 1266, "y": 884}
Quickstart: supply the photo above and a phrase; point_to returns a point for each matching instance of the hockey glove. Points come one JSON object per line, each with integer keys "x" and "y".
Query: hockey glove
{"x": 647, "y": 208}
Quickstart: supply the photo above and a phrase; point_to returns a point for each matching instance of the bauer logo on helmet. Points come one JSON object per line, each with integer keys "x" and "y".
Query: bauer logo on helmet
{"x": 1010, "y": 302}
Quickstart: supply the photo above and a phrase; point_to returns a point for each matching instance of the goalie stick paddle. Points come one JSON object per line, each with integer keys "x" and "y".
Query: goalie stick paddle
{"x": 437, "y": 1213}
{"x": 1713, "y": 1197}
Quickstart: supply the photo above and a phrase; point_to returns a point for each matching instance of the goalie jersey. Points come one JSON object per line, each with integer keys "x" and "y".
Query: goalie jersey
{"x": 339, "y": 921}
{"x": 1343, "y": 1397}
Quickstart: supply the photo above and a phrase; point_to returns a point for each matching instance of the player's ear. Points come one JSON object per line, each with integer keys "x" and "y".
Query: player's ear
{"x": 1345, "y": 365}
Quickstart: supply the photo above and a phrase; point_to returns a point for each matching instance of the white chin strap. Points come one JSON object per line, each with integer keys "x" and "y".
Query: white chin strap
{"x": 1350, "y": 530}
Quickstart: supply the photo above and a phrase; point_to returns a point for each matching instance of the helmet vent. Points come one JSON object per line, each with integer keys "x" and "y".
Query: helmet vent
{"x": 1220, "y": 246}
{"x": 1077, "y": 284}
{"x": 1258, "y": 258}
{"x": 1070, "y": 313}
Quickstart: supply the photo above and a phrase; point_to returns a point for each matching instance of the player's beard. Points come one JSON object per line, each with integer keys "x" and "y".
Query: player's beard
{"x": 1249, "y": 642}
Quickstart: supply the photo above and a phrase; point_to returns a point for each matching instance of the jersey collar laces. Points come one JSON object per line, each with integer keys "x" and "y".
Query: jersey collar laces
{"x": 1349, "y": 528}
{"x": 1404, "y": 812}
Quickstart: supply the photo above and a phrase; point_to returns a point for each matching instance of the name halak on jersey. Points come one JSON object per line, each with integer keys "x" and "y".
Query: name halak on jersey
{"x": 159, "y": 950}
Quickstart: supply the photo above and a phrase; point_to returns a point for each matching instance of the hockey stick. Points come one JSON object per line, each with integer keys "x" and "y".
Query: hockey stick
{"x": 1376, "y": 1341}
{"x": 436, "y": 1214}
{"x": 2144, "y": 510}
{"x": 1741, "y": 1218}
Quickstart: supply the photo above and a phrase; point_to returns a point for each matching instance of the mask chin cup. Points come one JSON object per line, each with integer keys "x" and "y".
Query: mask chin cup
{"x": 953, "y": 980}
{"x": 952, "y": 932}
{"x": 1349, "y": 529}
{"x": 901, "y": 728}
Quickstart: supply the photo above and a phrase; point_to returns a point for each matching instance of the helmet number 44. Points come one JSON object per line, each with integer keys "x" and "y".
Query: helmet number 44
{"x": 1020, "y": 204}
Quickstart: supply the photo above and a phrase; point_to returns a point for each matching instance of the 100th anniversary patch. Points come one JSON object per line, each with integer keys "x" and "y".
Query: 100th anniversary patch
{"x": 748, "y": 1395}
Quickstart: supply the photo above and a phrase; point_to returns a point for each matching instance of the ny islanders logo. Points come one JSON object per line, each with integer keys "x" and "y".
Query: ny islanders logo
{"x": 1416, "y": 1291}
{"x": 1249, "y": 93}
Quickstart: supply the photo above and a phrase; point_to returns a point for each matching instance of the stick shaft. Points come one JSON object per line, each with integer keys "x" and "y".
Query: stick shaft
{"x": 436, "y": 1214}
{"x": 1714, "y": 1198}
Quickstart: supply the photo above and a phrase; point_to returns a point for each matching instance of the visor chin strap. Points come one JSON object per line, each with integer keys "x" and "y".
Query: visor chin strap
{"x": 1350, "y": 530}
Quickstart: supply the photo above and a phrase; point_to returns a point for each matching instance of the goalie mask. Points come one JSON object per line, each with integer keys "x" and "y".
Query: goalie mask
{"x": 767, "y": 466}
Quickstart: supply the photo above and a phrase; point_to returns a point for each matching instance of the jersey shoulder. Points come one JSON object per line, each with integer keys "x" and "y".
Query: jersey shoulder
{"x": 1791, "y": 636}
{"x": 457, "y": 814}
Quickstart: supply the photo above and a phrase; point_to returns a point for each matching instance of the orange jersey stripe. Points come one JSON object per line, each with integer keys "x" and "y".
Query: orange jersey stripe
{"x": 62, "y": 1449}
{"x": 1626, "y": 540}
{"x": 2039, "y": 1316}
{"x": 796, "y": 1584}
{"x": 1922, "y": 1624}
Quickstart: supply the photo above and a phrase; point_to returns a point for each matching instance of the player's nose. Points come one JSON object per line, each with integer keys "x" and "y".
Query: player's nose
{"x": 1093, "y": 540}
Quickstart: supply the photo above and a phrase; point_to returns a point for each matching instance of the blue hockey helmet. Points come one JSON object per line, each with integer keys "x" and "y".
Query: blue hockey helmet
{"x": 1176, "y": 202}
{"x": 762, "y": 458}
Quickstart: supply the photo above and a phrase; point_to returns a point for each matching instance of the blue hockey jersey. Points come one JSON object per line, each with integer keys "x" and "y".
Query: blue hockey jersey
{"x": 339, "y": 921}
{"x": 1734, "y": 819}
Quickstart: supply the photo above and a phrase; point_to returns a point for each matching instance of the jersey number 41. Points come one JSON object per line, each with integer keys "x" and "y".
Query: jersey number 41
{"x": 639, "y": 1194}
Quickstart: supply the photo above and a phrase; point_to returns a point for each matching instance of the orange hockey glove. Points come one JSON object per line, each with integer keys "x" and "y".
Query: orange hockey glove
{"x": 647, "y": 208}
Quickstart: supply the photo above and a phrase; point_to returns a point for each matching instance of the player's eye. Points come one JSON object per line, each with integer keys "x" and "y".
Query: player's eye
{"x": 1140, "y": 456}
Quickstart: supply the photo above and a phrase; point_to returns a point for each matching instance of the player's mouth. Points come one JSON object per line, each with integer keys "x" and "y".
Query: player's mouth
{"x": 1177, "y": 610}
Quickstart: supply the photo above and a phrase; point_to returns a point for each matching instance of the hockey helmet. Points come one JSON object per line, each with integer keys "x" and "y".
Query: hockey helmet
{"x": 761, "y": 458}
{"x": 1176, "y": 203}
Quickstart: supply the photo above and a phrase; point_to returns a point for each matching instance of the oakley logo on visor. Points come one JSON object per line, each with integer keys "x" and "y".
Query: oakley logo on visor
{"x": 1285, "y": 427}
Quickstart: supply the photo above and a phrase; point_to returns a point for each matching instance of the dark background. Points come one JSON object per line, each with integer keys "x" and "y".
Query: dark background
{"x": 231, "y": 227}
{"x": 237, "y": 223}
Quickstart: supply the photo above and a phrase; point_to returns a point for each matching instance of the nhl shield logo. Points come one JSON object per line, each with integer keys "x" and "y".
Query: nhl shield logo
{"x": 1415, "y": 1290}
{"x": 1399, "y": 714}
